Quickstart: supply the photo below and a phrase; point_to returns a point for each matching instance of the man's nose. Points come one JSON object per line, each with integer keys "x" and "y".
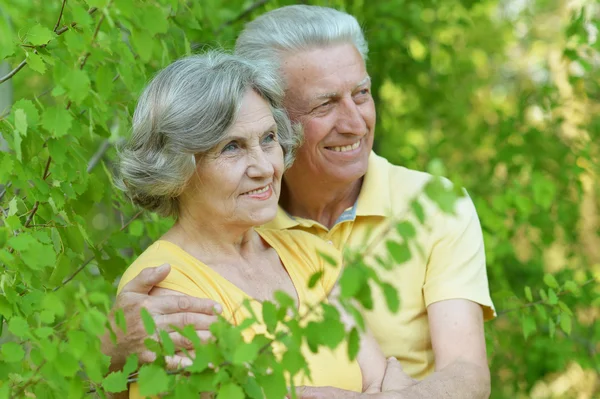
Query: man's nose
{"x": 350, "y": 119}
{"x": 259, "y": 165}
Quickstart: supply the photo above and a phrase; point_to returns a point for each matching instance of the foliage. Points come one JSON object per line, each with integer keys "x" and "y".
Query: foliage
{"x": 505, "y": 96}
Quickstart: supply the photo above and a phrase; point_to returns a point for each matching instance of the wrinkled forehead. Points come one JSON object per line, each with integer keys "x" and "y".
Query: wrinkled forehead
{"x": 254, "y": 116}
{"x": 323, "y": 70}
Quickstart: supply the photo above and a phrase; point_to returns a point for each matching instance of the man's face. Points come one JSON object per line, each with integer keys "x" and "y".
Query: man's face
{"x": 329, "y": 93}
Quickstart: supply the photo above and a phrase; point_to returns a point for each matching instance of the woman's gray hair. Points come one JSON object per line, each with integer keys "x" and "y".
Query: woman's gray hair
{"x": 298, "y": 28}
{"x": 186, "y": 110}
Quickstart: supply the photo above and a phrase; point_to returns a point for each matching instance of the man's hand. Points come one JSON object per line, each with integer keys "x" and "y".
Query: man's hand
{"x": 395, "y": 378}
{"x": 167, "y": 310}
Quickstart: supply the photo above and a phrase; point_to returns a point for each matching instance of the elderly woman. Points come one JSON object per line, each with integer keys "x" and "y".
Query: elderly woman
{"x": 209, "y": 146}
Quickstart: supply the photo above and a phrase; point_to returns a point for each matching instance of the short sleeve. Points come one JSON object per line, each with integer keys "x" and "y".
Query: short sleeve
{"x": 456, "y": 268}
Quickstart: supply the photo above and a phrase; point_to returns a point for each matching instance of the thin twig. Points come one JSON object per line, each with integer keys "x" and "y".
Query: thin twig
{"x": 6, "y": 187}
{"x": 242, "y": 15}
{"x": 62, "y": 8}
{"x": 73, "y": 24}
{"x": 91, "y": 258}
{"x": 541, "y": 301}
{"x": 98, "y": 155}
{"x": 24, "y": 62}
{"x": 14, "y": 71}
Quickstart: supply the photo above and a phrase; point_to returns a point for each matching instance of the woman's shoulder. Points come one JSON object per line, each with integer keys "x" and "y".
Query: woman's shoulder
{"x": 159, "y": 253}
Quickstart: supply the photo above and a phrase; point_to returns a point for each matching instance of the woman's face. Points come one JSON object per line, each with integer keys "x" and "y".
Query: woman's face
{"x": 238, "y": 182}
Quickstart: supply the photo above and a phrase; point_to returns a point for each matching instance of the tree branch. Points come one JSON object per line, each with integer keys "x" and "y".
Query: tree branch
{"x": 242, "y": 15}
{"x": 91, "y": 258}
{"x": 62, "y": 8}
{"x": 37, "y": 203}
{"x": 541, "y": 301}
{"x": 58, "y": 33}
{"x": 13, "y": 72}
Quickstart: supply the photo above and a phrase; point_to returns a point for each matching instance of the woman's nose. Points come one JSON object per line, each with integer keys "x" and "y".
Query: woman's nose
{"x": 259, "y": 165}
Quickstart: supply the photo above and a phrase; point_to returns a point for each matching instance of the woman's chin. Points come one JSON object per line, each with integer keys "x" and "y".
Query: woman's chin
{"x": 262, "y": 216}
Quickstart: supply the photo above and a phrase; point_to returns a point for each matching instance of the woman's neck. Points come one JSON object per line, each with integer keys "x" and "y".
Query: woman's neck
{"x": 211, "y": 241}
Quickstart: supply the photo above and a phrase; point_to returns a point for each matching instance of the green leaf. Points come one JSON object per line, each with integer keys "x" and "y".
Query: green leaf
{"x": 293, "y": 361}
{"x": 528, "y": 294}
{"x": 78, "y": 85}
{"x": 565, "y": 323}
{"x": 353, "y": 343}
{"x": 18, "y": 326}
{"x": 245, "y": 353}
{"x": 153, "y": 380}
{"x": 552, "y": 298}
{"x": 550, "y": 281}
{"x": 351, "y": 281}
{"x": 400, "y": 252}
{"x": 148, "y": 321}
{"x": 21, "y": 122}
{"x": 115, "y": 382}
{"x": 391, "y": 297}
{"x": 528, "y": 325}
{"x": 57, "y": 121}
{"x": 252, "y": 389}
{"x": 269, "y": 314}
{"x": 418, "y": 210}
{"x": 154, "y": 20}
{"x": 39, "y": 35}
{"x": 67, "y": 366}
{"x": 406, "y": 230}
{"x": 12, "y": 352}
{"x": 36, "y": 63}
{"x": 314, "y": 279}
{"x": 230, "y": 390}
{"x": 167, "y": 343}
{"x": 329, "y": 259}
{"x": 273, "y": 385}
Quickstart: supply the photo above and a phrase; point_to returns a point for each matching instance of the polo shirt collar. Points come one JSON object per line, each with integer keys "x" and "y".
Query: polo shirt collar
{"x": 373, "y": 199}
{"x": 375, "y": 194}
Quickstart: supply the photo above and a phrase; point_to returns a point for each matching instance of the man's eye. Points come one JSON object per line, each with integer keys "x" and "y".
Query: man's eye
{"x": 364, "y": 92}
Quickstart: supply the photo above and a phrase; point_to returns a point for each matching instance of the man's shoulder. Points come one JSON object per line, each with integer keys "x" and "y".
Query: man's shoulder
{"x": 402, "y": 181}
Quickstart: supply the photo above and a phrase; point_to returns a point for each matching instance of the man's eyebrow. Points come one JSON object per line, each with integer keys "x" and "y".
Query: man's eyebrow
{"x": 362, "y": 82}
{"x": 335, "y": 94}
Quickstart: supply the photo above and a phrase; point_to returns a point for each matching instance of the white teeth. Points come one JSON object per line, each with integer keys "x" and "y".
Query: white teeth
{"x": 259, "y": 191}
{"x": 346, "y": 147}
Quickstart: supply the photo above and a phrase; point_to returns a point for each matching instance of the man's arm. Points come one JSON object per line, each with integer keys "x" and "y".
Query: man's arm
{"x": 461, "y": 364}
{"x": 167, "y": 311}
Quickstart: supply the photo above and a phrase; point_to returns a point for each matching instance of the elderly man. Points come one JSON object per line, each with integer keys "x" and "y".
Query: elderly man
{"x": 340, "y": 190}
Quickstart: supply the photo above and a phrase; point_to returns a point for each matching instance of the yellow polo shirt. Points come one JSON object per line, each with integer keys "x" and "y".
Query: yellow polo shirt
{"x": 299, "y": 253}
{"x": 450, "y": 263}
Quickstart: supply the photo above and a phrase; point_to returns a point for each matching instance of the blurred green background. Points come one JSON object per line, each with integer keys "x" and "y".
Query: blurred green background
{"x": 506, "y": 93}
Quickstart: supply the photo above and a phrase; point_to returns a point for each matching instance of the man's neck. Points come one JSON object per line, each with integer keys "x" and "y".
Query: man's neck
{"x": 323, "y": 204}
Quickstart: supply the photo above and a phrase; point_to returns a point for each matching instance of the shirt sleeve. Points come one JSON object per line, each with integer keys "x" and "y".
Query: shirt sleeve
{"x": 456, "y": 267}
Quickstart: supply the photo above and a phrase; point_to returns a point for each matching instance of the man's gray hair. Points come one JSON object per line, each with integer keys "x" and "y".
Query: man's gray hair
{"x": 298, "y": 28}
{"x": 185, "y": 111}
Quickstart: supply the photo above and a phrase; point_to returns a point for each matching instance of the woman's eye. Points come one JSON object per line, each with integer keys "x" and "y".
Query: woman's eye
{"x": 269, "y": 138}
{"x": 230, "y": 147}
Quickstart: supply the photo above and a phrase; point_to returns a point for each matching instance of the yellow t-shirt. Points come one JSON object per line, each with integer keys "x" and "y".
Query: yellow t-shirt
{"x": 299, "y": 253}
{"x": 449, "y": 264}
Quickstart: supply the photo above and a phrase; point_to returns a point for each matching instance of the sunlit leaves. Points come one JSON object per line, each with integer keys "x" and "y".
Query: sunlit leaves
{"x": 38, "y": 35}
{"x": 57, "y": 121}
{"x": 153, "y": 380}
